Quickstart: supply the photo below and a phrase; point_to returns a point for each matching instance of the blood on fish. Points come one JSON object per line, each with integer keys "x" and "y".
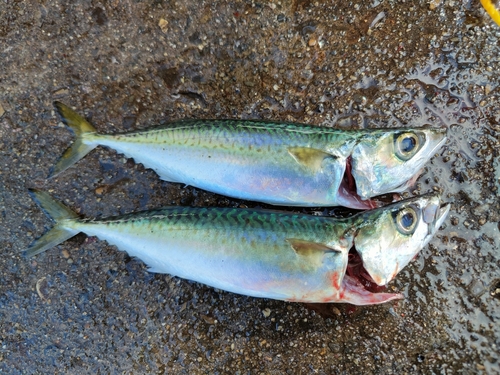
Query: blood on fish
{"x": 334, "y": 277}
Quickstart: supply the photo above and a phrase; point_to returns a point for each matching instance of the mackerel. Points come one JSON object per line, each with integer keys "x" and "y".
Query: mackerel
{"x": 270, "y": 162}
{"x": 265, "y": 253}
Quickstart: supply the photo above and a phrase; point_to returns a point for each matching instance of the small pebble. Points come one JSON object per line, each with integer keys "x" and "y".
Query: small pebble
{"x": 312, "y": 42}
{"x": 163, "y": 25}
{"x": 208, "y": 319}
{"x": 266, "y": 312}
{"x": 434, "y": 4}
{"x": 42, "y": 288}
{"x": 61, "y": 92}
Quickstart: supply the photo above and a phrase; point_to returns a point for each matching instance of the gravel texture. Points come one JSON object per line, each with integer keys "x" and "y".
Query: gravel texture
{"x": 86, "y": 308}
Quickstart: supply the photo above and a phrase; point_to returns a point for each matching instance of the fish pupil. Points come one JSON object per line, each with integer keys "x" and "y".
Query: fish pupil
{"x": 407, "y": 220}
{"x": 408, "y": 144}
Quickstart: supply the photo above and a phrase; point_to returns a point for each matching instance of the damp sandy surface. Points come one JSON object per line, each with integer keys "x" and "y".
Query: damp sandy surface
{"x": 86, "y": 308}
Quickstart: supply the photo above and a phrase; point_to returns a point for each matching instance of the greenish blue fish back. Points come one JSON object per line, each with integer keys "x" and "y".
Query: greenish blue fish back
{"x": 59, "y": 213}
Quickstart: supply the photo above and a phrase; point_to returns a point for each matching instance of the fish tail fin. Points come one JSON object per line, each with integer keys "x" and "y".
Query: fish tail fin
{"x": 60, "y": 214}
{"x": 81, "y": 147}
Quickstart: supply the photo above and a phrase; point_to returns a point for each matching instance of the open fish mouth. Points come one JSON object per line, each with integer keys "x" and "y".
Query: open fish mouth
{"x": 433, "y": 215}
{"x": 439, "y": 218}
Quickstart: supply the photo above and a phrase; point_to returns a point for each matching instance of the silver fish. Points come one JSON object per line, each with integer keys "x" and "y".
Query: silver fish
{"x": 270, "y": 162}
{"x": 265, "y": 253}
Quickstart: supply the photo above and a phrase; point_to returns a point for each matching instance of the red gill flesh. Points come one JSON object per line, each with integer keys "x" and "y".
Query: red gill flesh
{"x": 356, "y": 270}
{"x": 347, "y": 189}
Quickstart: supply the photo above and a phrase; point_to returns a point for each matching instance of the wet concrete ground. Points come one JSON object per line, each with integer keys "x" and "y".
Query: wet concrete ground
{"x": 85, "y": 307}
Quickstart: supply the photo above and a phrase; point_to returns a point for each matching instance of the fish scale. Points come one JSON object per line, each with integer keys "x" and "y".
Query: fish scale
{"x": 187, "y": 151}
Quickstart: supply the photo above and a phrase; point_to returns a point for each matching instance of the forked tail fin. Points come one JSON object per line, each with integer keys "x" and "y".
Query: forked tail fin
{"x": 61, "y": 214}
{"x": 80, "y": 147}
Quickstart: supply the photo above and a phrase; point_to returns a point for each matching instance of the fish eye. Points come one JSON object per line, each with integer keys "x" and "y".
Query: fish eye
{"x": 407, "y": 145}
{"x": 406, "y": 220}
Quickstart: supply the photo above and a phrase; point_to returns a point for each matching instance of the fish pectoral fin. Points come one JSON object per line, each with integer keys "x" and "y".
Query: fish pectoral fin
{"x": 309, "y": 157}
{"x": 308, "y": 248}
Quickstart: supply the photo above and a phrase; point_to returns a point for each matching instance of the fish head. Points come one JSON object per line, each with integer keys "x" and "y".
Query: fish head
{"x": 388, "y": 238}
{"x": 386, "y": 160}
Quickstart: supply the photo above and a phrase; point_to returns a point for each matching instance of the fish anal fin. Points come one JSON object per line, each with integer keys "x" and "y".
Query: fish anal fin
{"x": 311, "y": 158}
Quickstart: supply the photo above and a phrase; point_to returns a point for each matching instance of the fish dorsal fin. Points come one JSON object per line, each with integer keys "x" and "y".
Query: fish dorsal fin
{"x": 309, "y": 248}
{"x": 309, "y": 157}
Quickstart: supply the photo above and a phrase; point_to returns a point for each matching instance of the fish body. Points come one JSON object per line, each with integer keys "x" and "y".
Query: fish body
{"x": 270, "y": 162}
{"x": 249, "y": 160}
{"x": 259, "y": 253}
